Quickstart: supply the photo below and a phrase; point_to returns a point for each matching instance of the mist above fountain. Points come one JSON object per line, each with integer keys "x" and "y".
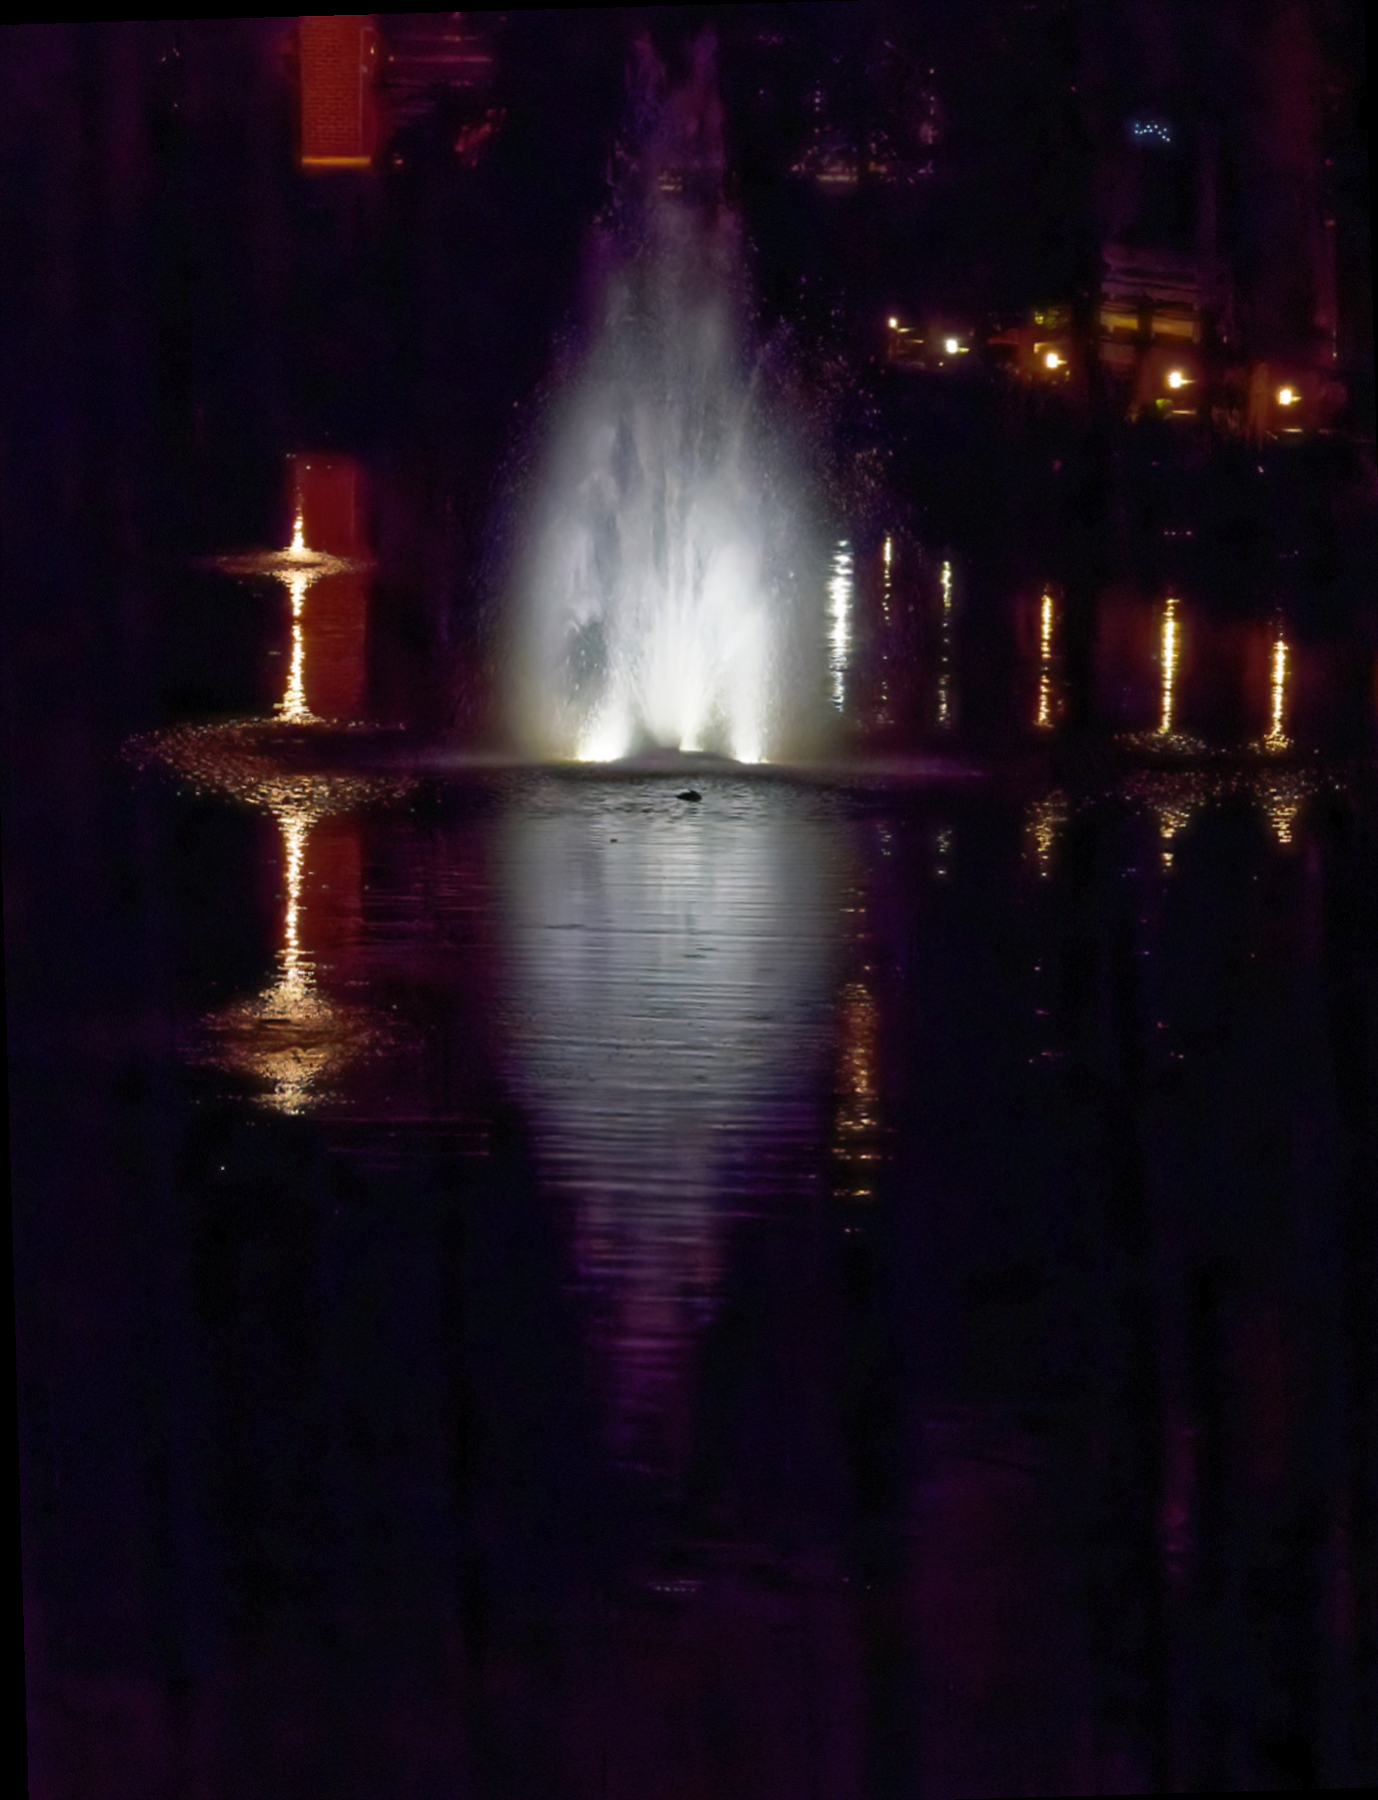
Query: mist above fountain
{"x": 664, "y": 601}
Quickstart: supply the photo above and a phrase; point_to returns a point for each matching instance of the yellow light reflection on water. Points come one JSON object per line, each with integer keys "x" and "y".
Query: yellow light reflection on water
{"x": 294, "y": 825}
{"x": 292, "y": 707}
{"x": 858, "y": 1114}
{"x": 291, "y": 1038}
{"x": 1281, "y": 806}
{"x": 1046, "y": 818}
{"x": 1174, "y": 815}
{"x": 1172, "y": 649}
{"x": 1277, "y": 738}
{"x": 1045, "y": 669}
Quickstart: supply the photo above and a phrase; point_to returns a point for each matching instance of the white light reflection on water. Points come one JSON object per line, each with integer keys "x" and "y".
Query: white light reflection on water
{"x": 840, "y": 602}
{"x": 945, "y": 649}
{"x": 1044, "y": 718}
{"x": 670, "y": 969}
{"x": 1171, "y": 651}
{"x": 884, "y": 716}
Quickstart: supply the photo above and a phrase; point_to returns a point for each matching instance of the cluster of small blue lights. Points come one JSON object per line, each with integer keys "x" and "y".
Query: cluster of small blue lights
{"x": 1150, "y": 130}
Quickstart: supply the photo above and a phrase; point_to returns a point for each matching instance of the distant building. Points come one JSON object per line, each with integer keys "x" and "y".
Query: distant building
{"x": 436, "y": 67}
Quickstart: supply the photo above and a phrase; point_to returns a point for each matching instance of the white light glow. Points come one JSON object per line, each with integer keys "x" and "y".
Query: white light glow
{"x": 663, "y": 599}
{"x": 1176, "y": 378}
{"x": 1052, "y": 360}
{"x": 1286, "y": 396}
{"x": 608, "y": 739}
{"x": 951, "y": 346}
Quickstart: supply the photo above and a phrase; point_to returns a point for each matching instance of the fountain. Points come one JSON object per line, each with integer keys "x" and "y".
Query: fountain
{"x": 668, "y": 599}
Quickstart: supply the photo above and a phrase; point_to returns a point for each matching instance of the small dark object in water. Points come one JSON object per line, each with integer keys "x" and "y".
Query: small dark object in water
{"x": 689, "y": 794}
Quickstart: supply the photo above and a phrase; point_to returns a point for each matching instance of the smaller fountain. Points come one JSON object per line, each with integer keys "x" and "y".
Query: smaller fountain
{"x": 294, "y": 1038}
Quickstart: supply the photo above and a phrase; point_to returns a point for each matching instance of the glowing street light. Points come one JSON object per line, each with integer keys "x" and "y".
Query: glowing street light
{"x": 951, "y": 346}
{"x": 1176, "y": 378}
{"x": 1287, "y": 396}
{"x": 1052, "y": 360}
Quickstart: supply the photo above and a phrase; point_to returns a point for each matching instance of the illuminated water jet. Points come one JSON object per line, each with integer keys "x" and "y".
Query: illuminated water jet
{"x": 667, "y": 600}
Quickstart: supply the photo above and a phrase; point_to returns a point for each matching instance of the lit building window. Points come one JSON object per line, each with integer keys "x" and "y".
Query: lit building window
{"x": 338, "y": 120}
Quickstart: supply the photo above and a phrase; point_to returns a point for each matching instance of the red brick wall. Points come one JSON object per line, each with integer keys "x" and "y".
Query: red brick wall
{"x": 337, "y": 121}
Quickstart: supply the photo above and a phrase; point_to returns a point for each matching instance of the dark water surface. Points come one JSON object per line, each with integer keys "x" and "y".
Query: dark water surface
{"x": 859, "y": 1284}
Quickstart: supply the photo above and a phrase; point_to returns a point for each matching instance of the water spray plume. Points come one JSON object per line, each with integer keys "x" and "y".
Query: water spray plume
{"x": 661, "y": 603}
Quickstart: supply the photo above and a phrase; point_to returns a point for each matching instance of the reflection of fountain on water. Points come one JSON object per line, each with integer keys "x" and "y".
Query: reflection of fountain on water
{"x": 669, "y": 972}
{"x": 664, "y": 603}
{"x": 293, "y": 1039}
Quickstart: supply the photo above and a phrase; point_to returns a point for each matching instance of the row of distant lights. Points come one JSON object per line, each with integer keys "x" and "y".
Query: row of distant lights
{"x": 1177, "y": 378}
{"x": 1287, "y": 396}
{"x": 952, "y": 346}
